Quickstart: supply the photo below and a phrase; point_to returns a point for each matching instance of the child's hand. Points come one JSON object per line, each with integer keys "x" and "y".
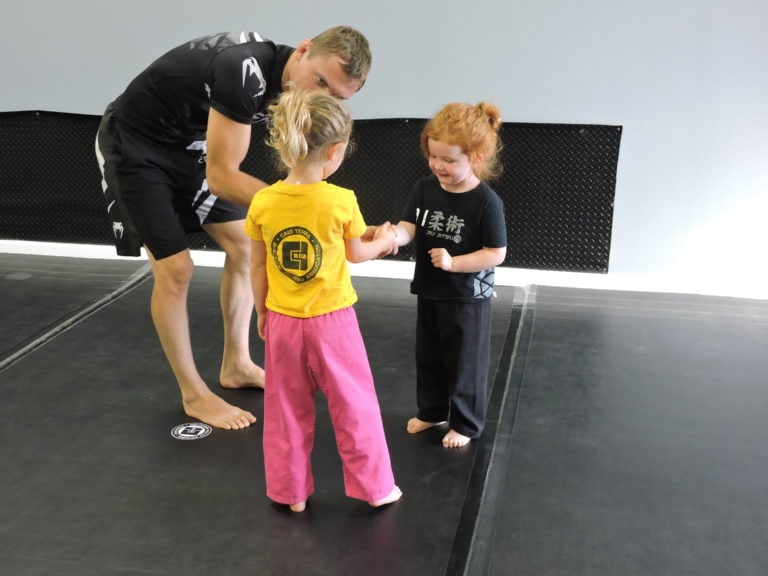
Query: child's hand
{"x": 441, "y": 259}
{"x": 387, "y": 234}
{"x": 395, "y": 244}
{"x": 261, "y": 323}
{"x": 382, "y": 230}
{"x": 369, "y": 233}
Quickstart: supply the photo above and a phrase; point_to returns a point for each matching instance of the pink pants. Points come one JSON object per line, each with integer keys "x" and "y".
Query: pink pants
{"x": 303, "y": 355}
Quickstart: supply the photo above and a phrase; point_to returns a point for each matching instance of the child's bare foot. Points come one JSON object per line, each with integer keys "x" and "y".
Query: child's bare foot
{"x": 455, "y": 440}
{"x": 242, "y": 376}
{"x": 393, "y": 496}
{"x": 215, "y": 411}
{"x": 415, "y": 425}
{"x": 299, "y": 506}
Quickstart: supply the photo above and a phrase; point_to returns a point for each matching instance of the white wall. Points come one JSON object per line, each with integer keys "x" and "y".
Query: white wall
{"x": 686, "y": 79}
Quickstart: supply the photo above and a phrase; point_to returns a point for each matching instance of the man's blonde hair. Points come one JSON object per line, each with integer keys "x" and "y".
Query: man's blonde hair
{"x": 350, "y": 46}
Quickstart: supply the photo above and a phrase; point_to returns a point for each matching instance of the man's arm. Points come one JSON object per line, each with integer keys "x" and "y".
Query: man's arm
{"x": 227, "y": 146}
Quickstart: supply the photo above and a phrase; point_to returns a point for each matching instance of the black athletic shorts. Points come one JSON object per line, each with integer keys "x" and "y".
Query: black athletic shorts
{"x": 155, "y": 195}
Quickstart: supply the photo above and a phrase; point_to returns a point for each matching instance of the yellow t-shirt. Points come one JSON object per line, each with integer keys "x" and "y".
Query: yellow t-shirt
{"x": 304, "y": 227}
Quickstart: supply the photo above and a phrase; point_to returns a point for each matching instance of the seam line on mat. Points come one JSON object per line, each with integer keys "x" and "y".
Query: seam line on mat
{"x": 134, "y": 280}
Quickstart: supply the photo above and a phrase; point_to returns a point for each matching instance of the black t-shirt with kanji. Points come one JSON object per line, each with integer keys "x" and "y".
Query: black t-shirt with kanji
{"x": 461, "y": 223}
{"x": 235, "y": 73}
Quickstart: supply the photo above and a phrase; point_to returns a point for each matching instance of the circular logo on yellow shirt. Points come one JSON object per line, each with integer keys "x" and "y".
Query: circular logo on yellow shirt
{"x": 297, "y": 253}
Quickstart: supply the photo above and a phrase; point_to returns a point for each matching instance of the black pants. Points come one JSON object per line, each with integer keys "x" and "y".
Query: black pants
{"x": 453, "y": 345}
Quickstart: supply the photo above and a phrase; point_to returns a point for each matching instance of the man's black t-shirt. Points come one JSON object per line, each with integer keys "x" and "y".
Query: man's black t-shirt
{"x": 237, "y": 74}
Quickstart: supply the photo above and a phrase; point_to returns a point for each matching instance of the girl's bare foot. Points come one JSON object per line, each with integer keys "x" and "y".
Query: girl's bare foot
{"x": 215, "y": 411}
{"x": 247, "y": 376}
{"x": 299, "y": 506}
{"x": 393, "y": 496}
{"x": 416, "y": 425}
{"x": 455, "y": 440}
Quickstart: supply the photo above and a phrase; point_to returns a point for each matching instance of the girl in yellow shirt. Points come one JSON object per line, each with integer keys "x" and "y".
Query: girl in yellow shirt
{"x": 304, "y": 230}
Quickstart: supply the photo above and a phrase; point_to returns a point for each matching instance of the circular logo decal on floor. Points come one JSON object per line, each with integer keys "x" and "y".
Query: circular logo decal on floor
{"x": 191, "y": 431}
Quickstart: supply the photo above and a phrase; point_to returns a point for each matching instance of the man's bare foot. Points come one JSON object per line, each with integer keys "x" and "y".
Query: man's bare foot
{"x": 298, "y": 507}
{"x": 455, "y": 440}
{"x": 215, "y": 411}
{"x": 393, "y": 496}
{"x": 415, "y": 425}
{"x": 249, "y": 376}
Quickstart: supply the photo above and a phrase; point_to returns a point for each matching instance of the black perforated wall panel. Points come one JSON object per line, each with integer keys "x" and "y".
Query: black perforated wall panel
{"x": 558, "y": 184}
{"x": 50, "y": 185}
